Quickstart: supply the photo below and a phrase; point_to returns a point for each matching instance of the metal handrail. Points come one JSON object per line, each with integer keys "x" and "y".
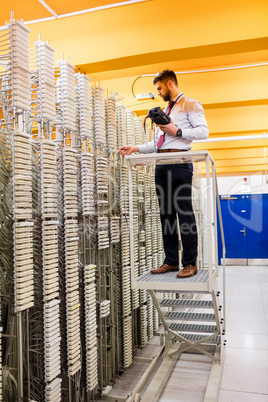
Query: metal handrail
{"x": 176, "y": 157}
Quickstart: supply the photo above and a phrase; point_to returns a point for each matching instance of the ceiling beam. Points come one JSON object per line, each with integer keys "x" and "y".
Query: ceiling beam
{"x": 195, "y": 52}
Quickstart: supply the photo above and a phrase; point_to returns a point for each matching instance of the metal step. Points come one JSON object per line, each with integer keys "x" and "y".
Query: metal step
{"x": 190, "y": 303}
{"x": 176, "y": 315}
{"x": 194, "y": 338}
{"x": 192, "y": 327}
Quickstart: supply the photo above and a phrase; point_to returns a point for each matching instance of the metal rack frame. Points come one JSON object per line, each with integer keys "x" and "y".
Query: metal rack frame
{"x": 212, "y": 197}
{"x": 205, "y": 281}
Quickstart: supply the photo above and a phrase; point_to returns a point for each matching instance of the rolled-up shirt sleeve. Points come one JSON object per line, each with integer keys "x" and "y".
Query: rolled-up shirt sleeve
{"x": 151, "y": 146}
{"x": 148, "y": 148}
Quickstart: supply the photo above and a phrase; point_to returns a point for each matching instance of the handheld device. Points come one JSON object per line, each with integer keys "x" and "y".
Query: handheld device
{"x": 157, "y": 115}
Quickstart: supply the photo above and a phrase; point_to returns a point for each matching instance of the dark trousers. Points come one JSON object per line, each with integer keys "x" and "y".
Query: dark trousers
{"x": 174, "y": 192}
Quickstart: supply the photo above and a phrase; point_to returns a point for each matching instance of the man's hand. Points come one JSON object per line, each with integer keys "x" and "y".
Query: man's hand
{"x": 128, "y": 150}
{"x": 169, "y": 129}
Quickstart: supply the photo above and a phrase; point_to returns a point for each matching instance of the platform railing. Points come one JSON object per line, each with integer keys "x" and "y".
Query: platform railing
{"x": 212, "y": 202}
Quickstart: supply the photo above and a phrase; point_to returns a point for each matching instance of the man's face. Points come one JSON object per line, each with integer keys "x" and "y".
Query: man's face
{"x": 163, "y": 91}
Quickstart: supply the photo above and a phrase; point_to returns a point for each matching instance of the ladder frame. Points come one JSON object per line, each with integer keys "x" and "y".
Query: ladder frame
{"x": 172, "y": 349}
{"x": 213, "y": 201}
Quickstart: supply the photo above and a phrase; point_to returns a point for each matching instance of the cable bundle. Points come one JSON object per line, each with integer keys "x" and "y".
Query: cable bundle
{"x": 68, "y": 252}
{"x": 50, "y": 260}
{"x": 111, "y": 123}
{"x": 43, "y": 83}
{"x": 14, "y": 54}
{"x": 91, "y": 327}
{"x": 131, "y": 139}
{"x": 65, "y": 112}
{"x": 124, "y": 190}
{"x": 135, "y": 292}
{"x": 143, "y": 324}
{"x": 138, "y": 131}
{"x": 101, "y": 180}
{"x": 84, "y": 106}
{"x": 126, "y": 294}
{"x": 127, "y": 341}
{"x": 53, "y": 391}
{"x": 121, "y": 126}
{"x": 99, "y": 115}
{"x": 115, "y": 229}
{"x": 103, "y": 232}
{"x": 22, "y": 226}
{"x": 87, "y": 183}
{"x": 70, "y": 182}
{"x": 105, "y": 306}
{"x": 48, "y": 176}
{"x": 52, "y": 340}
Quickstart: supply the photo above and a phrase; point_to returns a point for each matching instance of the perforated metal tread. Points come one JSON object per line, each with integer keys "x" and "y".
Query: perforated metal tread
{"x": 201, "y": 277}
{"x": 176, "y": 315}
{"x": 187, "y": 303}
{"x": 192, "y": 327}
{"x": 194, "y": 338}
{"x": 170, "y": 282}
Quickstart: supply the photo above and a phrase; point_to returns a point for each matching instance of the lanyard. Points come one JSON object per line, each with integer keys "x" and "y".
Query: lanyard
{"x": 180, "y": 96}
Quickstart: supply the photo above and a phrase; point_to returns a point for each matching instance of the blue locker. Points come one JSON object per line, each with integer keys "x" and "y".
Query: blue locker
{"x": 245, "y": 224}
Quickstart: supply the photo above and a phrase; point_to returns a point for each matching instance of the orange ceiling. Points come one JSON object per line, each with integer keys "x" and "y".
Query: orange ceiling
{"x": 29, "y": 10}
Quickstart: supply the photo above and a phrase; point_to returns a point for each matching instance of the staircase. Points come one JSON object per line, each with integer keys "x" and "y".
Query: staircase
{"x": 195, "y": 324}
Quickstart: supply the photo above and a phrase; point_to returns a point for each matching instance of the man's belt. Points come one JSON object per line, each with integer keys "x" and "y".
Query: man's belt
{"x": 170, "y": 150}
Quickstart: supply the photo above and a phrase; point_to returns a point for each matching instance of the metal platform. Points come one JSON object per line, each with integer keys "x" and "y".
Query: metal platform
{"x": 170, "y": 281}
{"x": 196, "y": 335}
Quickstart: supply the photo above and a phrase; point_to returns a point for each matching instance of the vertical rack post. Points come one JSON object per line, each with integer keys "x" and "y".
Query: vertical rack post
{"x": 209, "y": 222}
{"x": 132, "y": 273}
{"x": 20, "y": 357}
{"x": 214, "y": 185}
{"x": 112, "y": 326}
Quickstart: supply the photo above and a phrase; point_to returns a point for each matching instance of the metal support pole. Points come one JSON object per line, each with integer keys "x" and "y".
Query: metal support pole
{"x": 20, "y": 357}
{"x": 215, "y": 216}
{"x": 112, "y": 304}
{"x": 209, "y": 221}
{"x": 131, "y": 236}
{"x": 28, "y": 355}
{"x": 70, "y": 389}
{"x": 223, "y": 258}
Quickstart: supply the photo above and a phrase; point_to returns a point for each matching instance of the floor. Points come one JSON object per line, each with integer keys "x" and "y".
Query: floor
{"x": 245, "y": 371}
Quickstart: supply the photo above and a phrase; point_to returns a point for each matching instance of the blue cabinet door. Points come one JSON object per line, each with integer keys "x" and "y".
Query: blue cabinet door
{"x": 257, "y": 231}
{"x": 234, "y": 217}
{"x": 245, "y": 224}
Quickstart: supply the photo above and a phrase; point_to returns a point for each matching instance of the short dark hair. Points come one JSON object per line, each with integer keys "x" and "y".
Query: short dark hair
{"x": 164, "y": 76}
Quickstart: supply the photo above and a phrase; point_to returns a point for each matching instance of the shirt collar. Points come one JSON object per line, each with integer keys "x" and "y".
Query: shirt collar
{"x": 180, "y": 95}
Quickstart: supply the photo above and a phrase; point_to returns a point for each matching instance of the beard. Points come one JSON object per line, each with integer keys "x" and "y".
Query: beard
{"x": 166, "y": 97}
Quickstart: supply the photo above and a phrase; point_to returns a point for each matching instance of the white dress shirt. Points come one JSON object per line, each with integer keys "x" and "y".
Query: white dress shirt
{"x": 188, "y": 115}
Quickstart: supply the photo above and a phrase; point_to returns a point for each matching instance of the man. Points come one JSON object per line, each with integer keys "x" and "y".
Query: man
{"x": 174, "y": 182}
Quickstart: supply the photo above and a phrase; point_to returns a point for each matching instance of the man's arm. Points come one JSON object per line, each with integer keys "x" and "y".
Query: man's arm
{"x": 143, "y": 149}
{"x": 199, "y": 129}
{"x": 128, "y": 150}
